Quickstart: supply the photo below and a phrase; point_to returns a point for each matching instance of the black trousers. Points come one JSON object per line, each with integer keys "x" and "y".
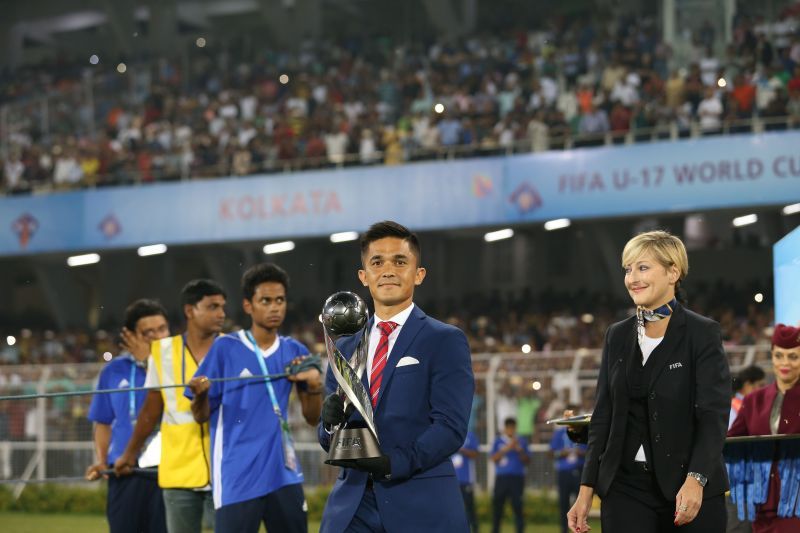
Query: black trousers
{"x": 635, "y": 503}
{"x": 507, "y": 488}
{"x": 468, "y": 493}
{"x": 569, "y": 483}
{"x": 135, "y": 505}
{"x": 282, "y": 511}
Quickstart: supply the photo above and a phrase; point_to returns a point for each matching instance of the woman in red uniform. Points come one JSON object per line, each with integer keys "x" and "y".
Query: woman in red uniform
{"x": 773, "y": 410}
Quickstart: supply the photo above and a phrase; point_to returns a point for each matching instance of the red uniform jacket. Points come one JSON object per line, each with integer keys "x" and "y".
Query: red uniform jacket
{"x": 753, "y": 419}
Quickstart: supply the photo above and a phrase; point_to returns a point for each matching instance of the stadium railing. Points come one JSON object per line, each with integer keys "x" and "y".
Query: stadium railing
{"x": 664, "y": 132}
{"x": 48, "y": 439}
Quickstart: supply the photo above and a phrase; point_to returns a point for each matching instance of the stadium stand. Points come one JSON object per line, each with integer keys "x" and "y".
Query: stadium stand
{"x": 373, "y": 101}
{"x": 571, "y": 83}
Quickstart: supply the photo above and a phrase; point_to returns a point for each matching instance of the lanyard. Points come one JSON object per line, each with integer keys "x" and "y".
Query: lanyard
{"x": 275, "y": 407}
{"x": 131, "y": 394}
{"x": 289, "y": 455}
{"x": 183, "y": 359}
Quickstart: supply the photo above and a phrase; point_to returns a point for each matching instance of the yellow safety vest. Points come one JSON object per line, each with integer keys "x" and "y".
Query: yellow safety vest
{"x": 185, "y": 456}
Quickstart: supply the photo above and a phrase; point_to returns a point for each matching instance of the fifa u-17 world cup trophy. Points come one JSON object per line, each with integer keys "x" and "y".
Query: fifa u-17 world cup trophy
{"x": 345, "y": 313}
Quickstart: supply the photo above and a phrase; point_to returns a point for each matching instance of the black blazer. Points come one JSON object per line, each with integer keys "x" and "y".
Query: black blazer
{"x": 688, "y": 404}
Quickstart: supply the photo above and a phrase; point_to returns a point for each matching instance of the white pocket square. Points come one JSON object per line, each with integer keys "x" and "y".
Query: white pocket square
{"x": 407, "y": 360}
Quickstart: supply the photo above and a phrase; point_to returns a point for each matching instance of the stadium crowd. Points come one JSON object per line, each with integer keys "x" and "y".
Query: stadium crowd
{"x": 372, "y": 101}
{"x": 562, "y": 331}
{"x": 494, "y": 323}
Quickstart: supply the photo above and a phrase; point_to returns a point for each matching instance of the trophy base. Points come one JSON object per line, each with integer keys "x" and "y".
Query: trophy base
{"x": 350, "y": 444}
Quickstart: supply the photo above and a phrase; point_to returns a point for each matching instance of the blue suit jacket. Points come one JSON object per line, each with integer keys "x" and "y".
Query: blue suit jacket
{"x": 421, "y": 418}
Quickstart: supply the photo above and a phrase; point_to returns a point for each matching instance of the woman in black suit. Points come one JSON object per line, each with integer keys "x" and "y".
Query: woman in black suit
{"x": 663, "y": 398}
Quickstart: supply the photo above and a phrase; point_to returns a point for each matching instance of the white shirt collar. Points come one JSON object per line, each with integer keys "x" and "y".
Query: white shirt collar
{"x": 400, "y": 318}
{"x": 129, "y": 356}
{"x": 265, "y": 353}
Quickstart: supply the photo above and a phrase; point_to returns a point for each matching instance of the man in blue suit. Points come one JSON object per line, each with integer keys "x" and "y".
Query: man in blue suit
{"x": 419, "y": 377}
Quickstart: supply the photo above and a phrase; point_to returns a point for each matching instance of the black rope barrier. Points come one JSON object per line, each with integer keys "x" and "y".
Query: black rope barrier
{"x": 150, "y": 472}
{"x": 36, "y": 396}
{"x": 312, "y": 361}
{"x": 75, "y": 479}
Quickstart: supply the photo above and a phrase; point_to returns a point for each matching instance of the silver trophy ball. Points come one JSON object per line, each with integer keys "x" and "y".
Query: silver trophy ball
{"x": 344, "y": 313}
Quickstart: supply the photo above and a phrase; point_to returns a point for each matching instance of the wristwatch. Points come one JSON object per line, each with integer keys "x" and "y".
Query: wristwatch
{"x": 700, "y": 478}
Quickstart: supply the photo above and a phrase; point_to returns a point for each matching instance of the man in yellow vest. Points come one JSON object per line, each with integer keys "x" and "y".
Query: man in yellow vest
{"x": 184, "y": 472}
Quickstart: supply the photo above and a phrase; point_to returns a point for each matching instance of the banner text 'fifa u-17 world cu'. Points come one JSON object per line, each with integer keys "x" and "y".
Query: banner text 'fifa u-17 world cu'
{"x": 679, "y": 176}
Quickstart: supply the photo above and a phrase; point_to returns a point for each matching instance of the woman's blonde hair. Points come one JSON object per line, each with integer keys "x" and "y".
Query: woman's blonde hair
{"x": 666, "y": 248}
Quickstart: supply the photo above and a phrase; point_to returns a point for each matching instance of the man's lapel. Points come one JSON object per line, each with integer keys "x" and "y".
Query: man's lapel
{"x": 407, "y": 334}
{"x": 365, "y": 374}
{"x": 348, "y": 346}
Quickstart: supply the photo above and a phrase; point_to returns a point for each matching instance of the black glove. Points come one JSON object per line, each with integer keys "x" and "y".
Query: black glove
{"x": 578, "y": 435}
{"x": 379, "y": 467}
{"x": 333, "y": 412}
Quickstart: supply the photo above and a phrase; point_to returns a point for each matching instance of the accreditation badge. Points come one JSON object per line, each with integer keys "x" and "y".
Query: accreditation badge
{"x": 289, "y": 455}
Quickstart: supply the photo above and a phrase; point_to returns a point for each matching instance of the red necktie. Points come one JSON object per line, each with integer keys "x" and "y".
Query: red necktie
{"x": 379, "y": 360}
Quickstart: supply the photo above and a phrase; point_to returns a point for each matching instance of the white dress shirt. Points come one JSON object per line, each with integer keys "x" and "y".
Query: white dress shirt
{"x": 375, "y": 335}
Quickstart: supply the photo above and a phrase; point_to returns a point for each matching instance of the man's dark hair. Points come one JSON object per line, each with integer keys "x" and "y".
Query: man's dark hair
{"x": 197, "y": 289}
{"x": 389, "y": 228}
{"x": 140, "y": 309}
{"x": 263, "y": 273}
{"x": 510, "y": 421}
{"x": 751, "y": 374}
